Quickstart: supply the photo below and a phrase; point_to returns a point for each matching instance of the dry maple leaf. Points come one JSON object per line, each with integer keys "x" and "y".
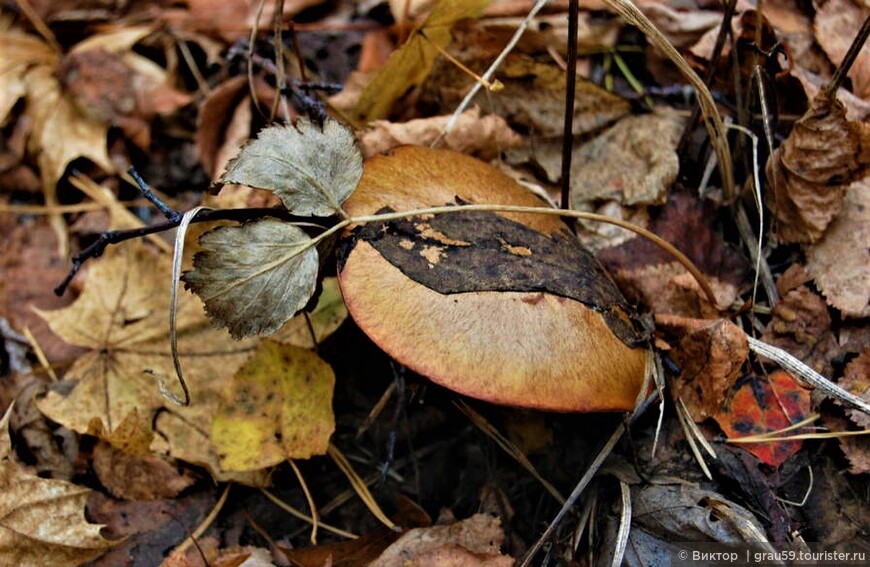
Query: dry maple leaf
{"x": 122, "y": 317}
{"x": 42, "y": 522}
{"x": 72, "y": 100}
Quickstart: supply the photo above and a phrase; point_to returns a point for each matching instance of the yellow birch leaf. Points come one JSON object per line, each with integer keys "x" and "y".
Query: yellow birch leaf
{"x": 278, "y": 407}
{"x": 410, "y": 65}
{"x": 42, "y": 521}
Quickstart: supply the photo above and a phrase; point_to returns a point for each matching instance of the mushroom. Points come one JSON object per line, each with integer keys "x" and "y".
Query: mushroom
{"x": 503, "y": 307}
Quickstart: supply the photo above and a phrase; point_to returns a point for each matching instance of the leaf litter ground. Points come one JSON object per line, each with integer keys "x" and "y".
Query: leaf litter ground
{"x": 147, "y": 468}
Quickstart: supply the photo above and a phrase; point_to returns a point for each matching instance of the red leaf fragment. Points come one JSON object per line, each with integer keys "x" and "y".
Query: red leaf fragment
{"x": 761, "y": 405}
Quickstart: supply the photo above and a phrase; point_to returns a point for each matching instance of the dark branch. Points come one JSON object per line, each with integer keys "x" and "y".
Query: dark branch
{"x": 108, "y": 238}
{"x": 570, "y": 89}
{"x": 170, "y": 214}
{"x": 849, "y": 59}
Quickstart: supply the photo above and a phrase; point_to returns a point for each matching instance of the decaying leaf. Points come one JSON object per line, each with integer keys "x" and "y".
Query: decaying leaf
{"x": 856, "y": 379}
{"x": 410, "y": 64}
{"x": 634, "y": 161}
{"x": 441, "y": 293}
{"x": 312, "y": 169}
{"x": 473, "y": 542}
{"x": 683, "y": 512}
{"x": 760, "y": 405}
{"x": 42, "y": 522}
{"x": 710, "y": 355}
{"x": 801, "y": 324}
{"x": 532, "y": 100}
{"x": 278, "y": 407}
{"x": 122, "y": 318}
{"x": 810, "y": 172}
{"x": 61, "y": 133}
{"x": 253, "y": 278}
{"x": 647, "y": 274}
{"x": 138, "y": 477}
{"x": 485, "y": 137}
{"x": 839, "y": 262}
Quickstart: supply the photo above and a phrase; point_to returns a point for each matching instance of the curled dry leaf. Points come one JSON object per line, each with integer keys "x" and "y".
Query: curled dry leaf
{"x": 503, "y": 307}
{"x": 473, "y": 542}
{"x": 647, "y": 274}
{"x": 838, "y": 262}
{"x": 710, "y": 355}
{"x": 485, "y": 137}
{"x": 312, "y": 169}
{"x": 278, "y": 407}
{"x": 810, "y": 172}
{"x": 253, "y": 278}
{"x": 42, "y": 522}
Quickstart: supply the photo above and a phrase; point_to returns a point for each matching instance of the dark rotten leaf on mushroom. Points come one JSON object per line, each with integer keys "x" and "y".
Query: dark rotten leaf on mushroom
{"x": 504, "y": 307}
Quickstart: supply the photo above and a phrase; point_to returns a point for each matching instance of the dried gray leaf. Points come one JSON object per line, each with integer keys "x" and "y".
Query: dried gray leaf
{"x": 312, "y": 170}
{"x": 254, "y": 277}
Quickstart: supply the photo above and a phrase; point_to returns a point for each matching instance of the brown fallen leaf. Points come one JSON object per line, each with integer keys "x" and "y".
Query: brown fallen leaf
{"x": 208, "y": 549}
{"x": 484, "y": 137}
{"x": 138, "y": 477}
{"x": 126, "y": 90}
{"x": 30, "y": 266}
{"x": 42, "y": 522}
{"x": 648, "y": 275}
{"x": 801, "y": 325}
{"x": 710, "y": 355}
{"x": 856, "y": 379}
{"x": 682, "y": 511}
{"x": 812, "y": 169}
{"x": 532, "y": 98}
{"x": 855, "y": 448}
{"x": 634, "y": 161}
{"x": 838, "y": 262}
{"x": 148, "y": 528}
{"x": 60, "y": 133}
{"x": 473, "y": 542}
{"x": 111, "y": 390}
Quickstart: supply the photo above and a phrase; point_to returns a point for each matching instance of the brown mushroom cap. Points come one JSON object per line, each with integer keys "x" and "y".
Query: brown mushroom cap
{"x": 520, "y": 348}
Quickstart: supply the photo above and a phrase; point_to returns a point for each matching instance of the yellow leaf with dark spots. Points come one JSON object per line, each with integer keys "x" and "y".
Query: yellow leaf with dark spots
{"x": 278, "y": 407}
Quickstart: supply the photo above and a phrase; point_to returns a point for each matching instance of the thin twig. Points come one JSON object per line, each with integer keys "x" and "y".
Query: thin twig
{"x": 584, "y": 481}
{"x": 492, "y": 69}
{"x": 849, "y": 59}
{"x": 570, "y": 92}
